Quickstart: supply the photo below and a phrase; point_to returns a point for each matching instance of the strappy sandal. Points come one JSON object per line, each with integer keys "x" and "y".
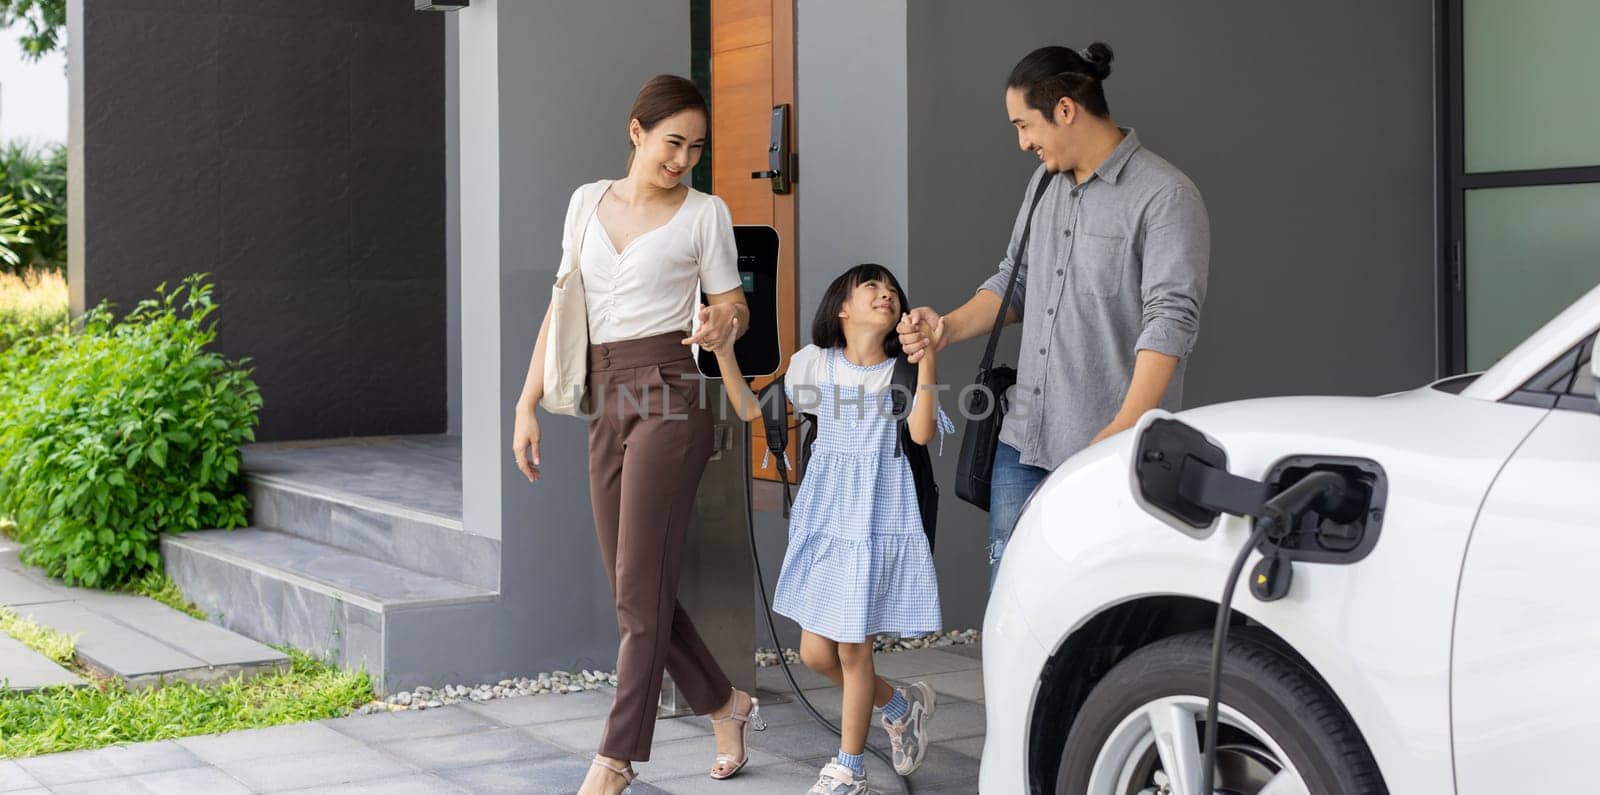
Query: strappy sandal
{"x": 747, "y": 721}
{"x": 626, "y": 771}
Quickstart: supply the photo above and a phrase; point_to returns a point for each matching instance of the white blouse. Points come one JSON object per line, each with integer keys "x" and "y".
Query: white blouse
{"x": 653, "y": 285}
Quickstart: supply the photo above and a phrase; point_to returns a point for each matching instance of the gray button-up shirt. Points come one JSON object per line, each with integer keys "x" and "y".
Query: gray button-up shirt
{"x": 1114, "y": 265}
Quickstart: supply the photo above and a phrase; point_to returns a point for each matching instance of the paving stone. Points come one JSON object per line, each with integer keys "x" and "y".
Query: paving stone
{"x": 917, "y": 663}
{"x": 549, "y": 708}
{"x": 965, "y": 685}
{"x": 681, "y": 758}
{"x": 187, "y": 781}
{"x": 54, "y": 770}
{"x": 785, "y": 778}
{"x": 206, "y": 642}
{"x": 387, "y": 727}
{"x": 476, "y": 748}
{"x": 23, "y": 669}
{"x": 772, "y": 678}
{"x": 278, "y": 741}
{"x": 345, "y": 766}
{"x": 972, "y": 650}
{"x": 583, "y": 735}
{"x": 803, "y": 741}
{"x": 523, "y": 777}
{"x": 13, "y": 777}
{"x": 936, "y": 768}
{"x": 109, "y": 646}
{"x": 22, "y": 586}
{"x": 957, "y": 720}
{"x": 967, "y": 746}
{"x": 423, "y": 784}
{"x": 790, "y": 713}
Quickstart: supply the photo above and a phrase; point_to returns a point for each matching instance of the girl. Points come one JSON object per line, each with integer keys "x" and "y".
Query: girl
{"x": 858, "y": 564}
{"x": 649, "y": 247}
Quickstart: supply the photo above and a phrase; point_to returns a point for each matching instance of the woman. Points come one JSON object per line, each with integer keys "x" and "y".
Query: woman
{"x": 651, "y": 245}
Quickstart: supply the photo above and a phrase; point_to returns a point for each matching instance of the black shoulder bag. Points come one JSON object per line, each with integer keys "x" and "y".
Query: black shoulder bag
{"x": 987, "y": 405}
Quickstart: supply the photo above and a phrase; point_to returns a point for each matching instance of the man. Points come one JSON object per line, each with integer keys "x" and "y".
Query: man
{"x": 1109, "y": 291}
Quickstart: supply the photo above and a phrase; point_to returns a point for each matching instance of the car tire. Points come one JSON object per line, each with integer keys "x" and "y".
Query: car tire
{"x": 1304, "y": 728}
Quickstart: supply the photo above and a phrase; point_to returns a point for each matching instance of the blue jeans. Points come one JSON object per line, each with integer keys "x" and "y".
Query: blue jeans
{"x": 1009, "y": 488}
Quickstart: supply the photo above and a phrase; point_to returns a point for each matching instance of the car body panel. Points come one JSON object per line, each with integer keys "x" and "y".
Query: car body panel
{"x": 1378, "y": 631}
{"x": 1526, "y": 710}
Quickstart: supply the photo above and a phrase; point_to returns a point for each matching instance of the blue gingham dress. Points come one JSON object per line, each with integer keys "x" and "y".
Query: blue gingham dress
{"x": 858, "y": 563}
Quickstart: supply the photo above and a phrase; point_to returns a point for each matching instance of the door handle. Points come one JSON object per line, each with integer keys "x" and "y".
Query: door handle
{"x": 781, "y": 162}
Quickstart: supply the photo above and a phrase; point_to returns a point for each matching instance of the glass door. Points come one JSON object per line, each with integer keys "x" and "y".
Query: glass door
{"x": 1520, "y": 187}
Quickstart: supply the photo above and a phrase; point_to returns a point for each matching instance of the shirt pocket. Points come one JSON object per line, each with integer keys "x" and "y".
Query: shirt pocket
{"x": 1098, "y": 262}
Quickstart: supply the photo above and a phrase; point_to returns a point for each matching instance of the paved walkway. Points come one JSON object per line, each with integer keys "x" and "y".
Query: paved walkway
{"x": 533, "y": 744}
{"x": 134, "y": 638}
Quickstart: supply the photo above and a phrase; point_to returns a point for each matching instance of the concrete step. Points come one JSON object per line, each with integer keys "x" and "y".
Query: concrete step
{"x": 282, "y": 588}
{"x": 394, "y": 499}
{"x": 133, "y": 638}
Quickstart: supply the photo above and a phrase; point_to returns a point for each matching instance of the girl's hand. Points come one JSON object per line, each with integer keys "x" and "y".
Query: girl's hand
{"x": 921, "y": 337}
{"x": 525, "y": 443}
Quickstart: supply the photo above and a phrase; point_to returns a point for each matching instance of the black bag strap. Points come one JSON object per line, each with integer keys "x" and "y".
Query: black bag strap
{"x": 1016, "y": 268}
{"x": 904, "y": 382}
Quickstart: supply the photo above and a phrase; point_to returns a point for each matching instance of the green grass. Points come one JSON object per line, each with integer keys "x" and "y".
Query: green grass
{"x": 70, "y": 719}
{"x": 156, "y": 585}
{"x": 42, "y": 639}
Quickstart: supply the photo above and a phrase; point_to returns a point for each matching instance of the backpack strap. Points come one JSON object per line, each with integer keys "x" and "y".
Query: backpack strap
{"x": 904, "y": 388}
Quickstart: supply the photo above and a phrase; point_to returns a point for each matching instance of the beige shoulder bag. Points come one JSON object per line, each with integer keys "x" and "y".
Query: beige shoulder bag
{"x": 566, "y": 345}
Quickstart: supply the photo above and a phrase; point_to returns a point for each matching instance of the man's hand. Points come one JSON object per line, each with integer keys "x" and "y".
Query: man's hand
{"x": 1117, "y": 426}
{"x": 920, "y": 328}
{"x": 719, "y": 327}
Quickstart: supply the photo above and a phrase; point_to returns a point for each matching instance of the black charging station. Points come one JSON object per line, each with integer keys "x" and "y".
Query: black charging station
{"x": 759, "y": 351}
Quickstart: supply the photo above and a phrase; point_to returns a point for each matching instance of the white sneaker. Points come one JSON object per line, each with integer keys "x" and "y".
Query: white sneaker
{"x": 908, "y": 737}
{"x": 836, "y": 779}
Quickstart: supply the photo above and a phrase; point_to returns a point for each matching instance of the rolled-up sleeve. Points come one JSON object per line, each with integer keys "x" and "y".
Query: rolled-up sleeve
{"x": 997, "y": 283}
{"x": 1175, "y": 261}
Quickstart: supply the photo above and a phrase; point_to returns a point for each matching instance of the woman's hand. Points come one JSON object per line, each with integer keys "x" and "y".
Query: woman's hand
{"x": 525, "y": 442}
{"x": 719, "y": 327}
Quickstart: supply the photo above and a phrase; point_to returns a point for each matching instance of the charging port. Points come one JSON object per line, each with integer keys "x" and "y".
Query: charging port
{"x": 1342, "y": 535}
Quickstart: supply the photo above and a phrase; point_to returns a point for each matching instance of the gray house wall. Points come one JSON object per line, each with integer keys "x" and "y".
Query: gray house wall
{"x": 1315, "y": 158}
{"x": 544, "y": 108}
{"x": 915, "y": 166}
{"x": 296, "y": 153}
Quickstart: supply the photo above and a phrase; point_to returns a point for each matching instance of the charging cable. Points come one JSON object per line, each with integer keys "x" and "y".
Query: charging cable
{"x": 1323, "y": 491}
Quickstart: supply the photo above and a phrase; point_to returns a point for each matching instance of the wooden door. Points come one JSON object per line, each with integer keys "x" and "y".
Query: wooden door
{"x": 752, "y": 69}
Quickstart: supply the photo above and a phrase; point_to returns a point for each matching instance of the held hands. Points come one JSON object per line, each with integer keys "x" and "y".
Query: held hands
{"x": 719, "y": 327}
{"x": 921, "y": 331}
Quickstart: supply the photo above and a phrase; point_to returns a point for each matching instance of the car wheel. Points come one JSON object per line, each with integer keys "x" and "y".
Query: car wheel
{"x": 1141, "y": 730}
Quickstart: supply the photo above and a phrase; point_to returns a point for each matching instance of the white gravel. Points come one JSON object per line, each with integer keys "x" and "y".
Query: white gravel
{"x": 562, "y": 682}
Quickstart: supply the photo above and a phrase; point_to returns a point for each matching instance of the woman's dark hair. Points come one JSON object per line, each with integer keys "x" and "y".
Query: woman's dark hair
{"x": 827, "y": 332}
{"x": 1050, "y": 73}
{"x": 663, "y": 97}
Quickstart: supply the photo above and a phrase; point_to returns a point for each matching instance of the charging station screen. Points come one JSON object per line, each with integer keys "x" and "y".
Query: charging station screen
{"x": 758, "y": 350}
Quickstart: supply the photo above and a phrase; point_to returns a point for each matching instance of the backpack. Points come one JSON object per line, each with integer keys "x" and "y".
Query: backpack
{"x": 775, "y": 418}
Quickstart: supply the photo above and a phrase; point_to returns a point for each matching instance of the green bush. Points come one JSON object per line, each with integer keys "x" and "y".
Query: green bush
{"x": 121, "y": 431}
{"x": 33, "y": 207}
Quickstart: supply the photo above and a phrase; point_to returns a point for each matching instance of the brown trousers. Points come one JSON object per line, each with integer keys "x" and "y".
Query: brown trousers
{"x": 644, "y": 469}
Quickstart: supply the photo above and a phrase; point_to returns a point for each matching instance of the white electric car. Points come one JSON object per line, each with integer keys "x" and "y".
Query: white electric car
{"x": 1441, "y": 628}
